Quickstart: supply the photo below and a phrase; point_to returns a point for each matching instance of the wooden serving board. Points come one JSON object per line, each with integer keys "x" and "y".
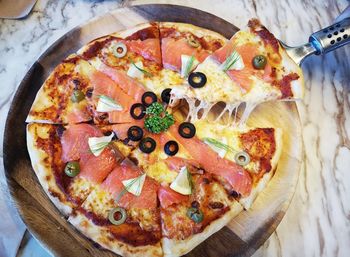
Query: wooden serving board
{"x": 241, "y": 237}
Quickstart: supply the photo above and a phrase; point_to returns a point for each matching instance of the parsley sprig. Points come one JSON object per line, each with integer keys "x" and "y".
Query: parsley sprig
{"x": 157, "y": 119}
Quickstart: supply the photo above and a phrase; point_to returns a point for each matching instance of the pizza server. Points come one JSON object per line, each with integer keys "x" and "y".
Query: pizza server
{"x": 324, "y": 40}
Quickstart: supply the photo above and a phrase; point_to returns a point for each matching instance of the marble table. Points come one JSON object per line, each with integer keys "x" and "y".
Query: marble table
{"x": 318, "y": 220}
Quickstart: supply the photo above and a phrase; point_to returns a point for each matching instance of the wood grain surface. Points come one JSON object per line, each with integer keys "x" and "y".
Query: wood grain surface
{"x": 241, "y": 237}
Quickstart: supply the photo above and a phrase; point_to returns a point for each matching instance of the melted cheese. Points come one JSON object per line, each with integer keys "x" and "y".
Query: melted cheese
{"x": 243, "y": 37}
{"x": 220, "y": 132}
{"x": 99, "y": 202}
{"x": 124, "y": 149}
{"x": 80, "y": 188}
{"x": 165, "y": 79}
{"x": 157, "y": 170}
{"x": 160, "y": 172}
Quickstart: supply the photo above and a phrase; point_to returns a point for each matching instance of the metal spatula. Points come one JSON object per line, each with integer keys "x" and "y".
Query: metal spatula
{"x": 322, "y": 41}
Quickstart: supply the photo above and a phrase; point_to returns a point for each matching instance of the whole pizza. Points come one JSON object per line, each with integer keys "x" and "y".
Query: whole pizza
{"x": 140, "y": 138}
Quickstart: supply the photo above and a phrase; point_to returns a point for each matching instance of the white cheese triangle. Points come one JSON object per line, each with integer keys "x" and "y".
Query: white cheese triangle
{"x": 182, "y": 184}
{"x": 98, "y": 144}
{"x": 134, "y": 185}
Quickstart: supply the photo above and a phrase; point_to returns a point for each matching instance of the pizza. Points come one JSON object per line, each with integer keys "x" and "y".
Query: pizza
{"x": 134, "y": 167}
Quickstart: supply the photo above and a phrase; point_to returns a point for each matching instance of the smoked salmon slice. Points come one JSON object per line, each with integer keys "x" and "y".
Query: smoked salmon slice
{"x": 96, "y": 168}
{"x": 121, "y": 130}
{"x": 148, "y": 48}
{"x": 104, "y": 85}
{"x": 126, "y": 83}
{"x": 168, "y": 197}
{"x": 238, "y": 178}
{"x": 124, "y": 171}
{"x": 74, "y": 140}
{"x": 172, "y": 49}
{"x": 78, "y": 114}
{"x": 248, "y": 51}
{"x": 176, "y": 163}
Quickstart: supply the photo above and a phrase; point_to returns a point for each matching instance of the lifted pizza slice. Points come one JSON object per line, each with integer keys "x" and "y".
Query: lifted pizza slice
{"x": 251, "y": 68}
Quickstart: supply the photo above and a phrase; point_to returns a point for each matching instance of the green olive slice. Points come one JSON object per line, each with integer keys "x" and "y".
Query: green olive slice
{"x": 191, "y": 41}
{"x": 195, "y": 214}
{"x": 242, "y": 158}
{"x": 77, "y": 96}
{"x": 119, "y": 50}
{"x": 72, "y": 169}
{"x": 259, "y": 62}
{"x": 117, "y": 216}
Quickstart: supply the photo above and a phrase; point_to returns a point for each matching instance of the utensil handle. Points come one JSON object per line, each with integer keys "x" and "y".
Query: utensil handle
{"x": 332, "y": 37}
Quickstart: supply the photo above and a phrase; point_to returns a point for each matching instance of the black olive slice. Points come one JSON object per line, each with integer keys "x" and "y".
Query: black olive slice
{"x": 197, "y": 79}
{"x": 171, "y": 148}
{"x": 148, "y": 98}
{"x": 135, "y": 133}
{"x": 138, "y": 111}
{"x": 147, "y": 145}
{"x": 187, "y": 130}
{"x": 166, "y": 95}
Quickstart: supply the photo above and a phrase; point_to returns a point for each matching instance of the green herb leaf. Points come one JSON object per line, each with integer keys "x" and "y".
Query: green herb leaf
{"x": 109, "y": 102}
{"x": 234, "y": 58}
{"x": 218, "y": 144}
{"x": 157, "y": 119}
{"x": 190, "y": 181}
{"x": 148, "y": 74}
{"x": 155, "y": 109}
{"x": 187, "y": 65}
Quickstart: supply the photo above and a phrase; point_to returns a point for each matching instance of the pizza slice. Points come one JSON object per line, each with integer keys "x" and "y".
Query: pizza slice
{"x": 63, "y": 97}
{"x": 216, "y": 149}
{"x": 228, "y": 167}
{"x": 180, "y": 41}
{"x": 193, "y": 204}
{"x": 257, "y": 150}
{"x": 131, "y": 58}
{"x": 188, "y": 220}
{"x": 122, "y": 213}
{"x": 251, "y": 68}
{"x": 70, "y": 161}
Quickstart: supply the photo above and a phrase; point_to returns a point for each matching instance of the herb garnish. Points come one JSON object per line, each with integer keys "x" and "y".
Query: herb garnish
{"x": 157, "y": 119}
{"x": 218, "y": 144}
{"x": 147, "y": 73}
{"x": 110, "y": 103}
{"x": 234, "y": 61}
{"x": 128, "y": 186}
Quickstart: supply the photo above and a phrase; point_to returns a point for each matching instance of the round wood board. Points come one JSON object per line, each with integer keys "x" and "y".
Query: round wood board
{"x": 241, "y": 237}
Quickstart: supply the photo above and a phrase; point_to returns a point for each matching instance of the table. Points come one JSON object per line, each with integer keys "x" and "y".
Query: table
{"x": 318, "y": 220}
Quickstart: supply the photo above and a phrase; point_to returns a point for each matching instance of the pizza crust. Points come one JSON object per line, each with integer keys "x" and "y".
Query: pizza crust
{"x": 297, "y": 86}
{"x": 128, "y": 32}
{"x": 44, "y": 172}
{"x": 103, "y": 236}
{"x": 263, "y": 182}
{"x": 195, "y": 30}
{"x": 173, "y": 248}
{"x": 120, "y": 34}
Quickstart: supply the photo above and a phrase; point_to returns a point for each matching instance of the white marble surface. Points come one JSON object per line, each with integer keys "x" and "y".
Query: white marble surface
{"x": 318, "y": 220}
